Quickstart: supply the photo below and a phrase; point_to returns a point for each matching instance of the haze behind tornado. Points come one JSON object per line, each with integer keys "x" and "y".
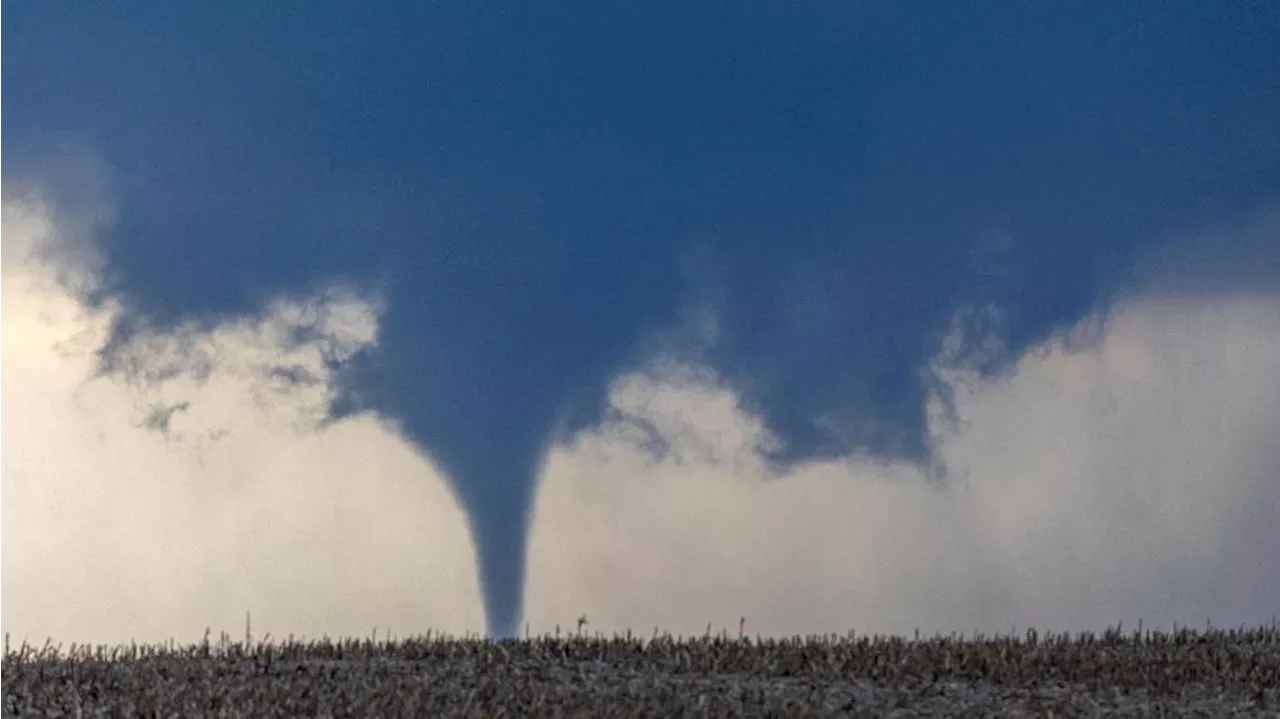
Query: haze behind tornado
{"x": 492, "y": 316}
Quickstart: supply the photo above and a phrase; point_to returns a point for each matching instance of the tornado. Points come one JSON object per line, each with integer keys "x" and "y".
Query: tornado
{"x": 525, "y": 188}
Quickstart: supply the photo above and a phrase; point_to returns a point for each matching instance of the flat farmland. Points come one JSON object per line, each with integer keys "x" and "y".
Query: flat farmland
{"x": 1205, "y": 673}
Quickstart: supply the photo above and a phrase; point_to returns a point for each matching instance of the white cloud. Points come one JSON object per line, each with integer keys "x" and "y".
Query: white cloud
{"x": 202, "y": 485}
{"x": 1124, "y": 470}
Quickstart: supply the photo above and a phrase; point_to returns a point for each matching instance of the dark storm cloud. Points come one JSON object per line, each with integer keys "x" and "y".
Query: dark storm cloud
{"x": 1235, "y": 256}
{"x": 523, "y": 183}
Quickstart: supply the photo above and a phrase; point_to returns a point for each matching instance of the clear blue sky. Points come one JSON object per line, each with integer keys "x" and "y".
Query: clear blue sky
{"x": 531, "y": 182}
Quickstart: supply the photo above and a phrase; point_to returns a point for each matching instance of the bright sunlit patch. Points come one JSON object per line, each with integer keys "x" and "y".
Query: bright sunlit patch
{"x": 201, "y": 482}
{"x": 1124, "y": 470}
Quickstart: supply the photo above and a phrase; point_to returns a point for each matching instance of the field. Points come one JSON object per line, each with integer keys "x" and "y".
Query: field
{"x": 1208, "y": 673}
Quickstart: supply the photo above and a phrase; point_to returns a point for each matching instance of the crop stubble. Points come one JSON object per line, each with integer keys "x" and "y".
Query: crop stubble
{"x": 1186, "y": 672}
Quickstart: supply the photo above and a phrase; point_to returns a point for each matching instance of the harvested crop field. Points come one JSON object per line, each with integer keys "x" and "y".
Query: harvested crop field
{"x": 1209, "y": 673}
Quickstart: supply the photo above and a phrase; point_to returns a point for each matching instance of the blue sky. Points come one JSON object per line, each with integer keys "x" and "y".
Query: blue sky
{"x": 540, "y": 192}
